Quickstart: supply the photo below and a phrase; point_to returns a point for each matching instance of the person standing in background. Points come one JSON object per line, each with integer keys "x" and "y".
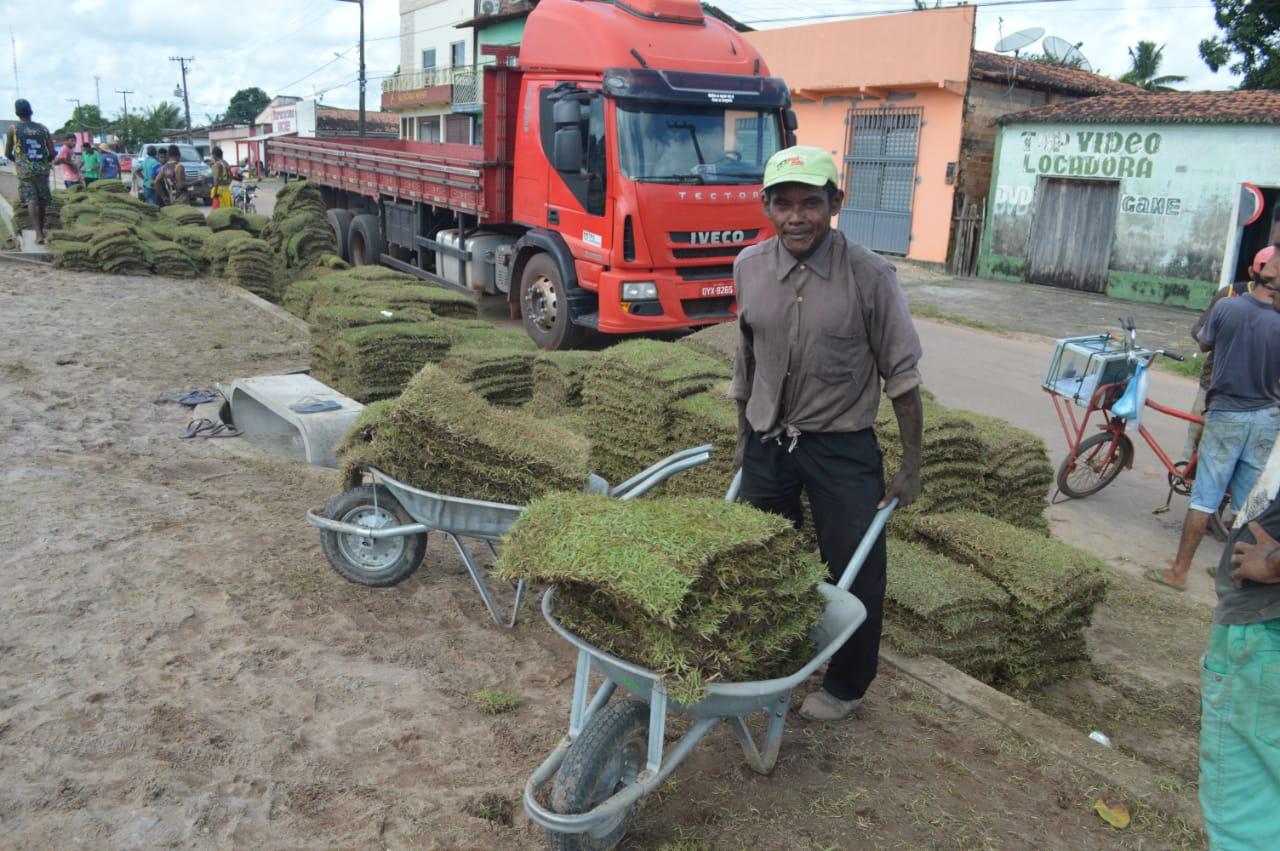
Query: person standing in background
{"x": 221, "y": 174}
{"x": 90, "y": 163}
{"x": 110, "y": 163}
{"x": 30, "y": 147}
{"x": 68, "y": 161}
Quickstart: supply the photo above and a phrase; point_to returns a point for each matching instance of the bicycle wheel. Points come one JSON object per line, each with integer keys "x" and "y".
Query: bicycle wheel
{"x": 1093, "y": 466}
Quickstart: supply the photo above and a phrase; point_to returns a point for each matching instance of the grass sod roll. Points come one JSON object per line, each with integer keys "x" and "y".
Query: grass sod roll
{"x": 73, "y": 256}
{"x": 182, "y": 214}
{"x": 952, "y": 597}
{"x": 441, "y": 436}
{"x": 255, "y": 222}
{"x": 227, "y": 218}
{"x": 558, "y": 378}
{"x": 373, "y": 362}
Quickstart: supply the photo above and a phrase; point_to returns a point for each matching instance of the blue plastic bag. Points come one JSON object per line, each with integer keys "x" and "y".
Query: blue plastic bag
{"x": 1130, "y": 404}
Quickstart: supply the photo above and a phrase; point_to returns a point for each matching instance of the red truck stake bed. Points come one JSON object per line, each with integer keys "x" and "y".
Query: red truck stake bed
{"x": 617, "y": 178}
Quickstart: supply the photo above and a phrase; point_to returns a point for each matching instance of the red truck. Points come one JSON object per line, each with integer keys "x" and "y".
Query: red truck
{"x": 619, "y": 173}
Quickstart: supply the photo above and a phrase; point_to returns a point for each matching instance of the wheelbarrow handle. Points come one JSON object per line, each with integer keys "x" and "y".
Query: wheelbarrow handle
{"x": 864, "y": 546}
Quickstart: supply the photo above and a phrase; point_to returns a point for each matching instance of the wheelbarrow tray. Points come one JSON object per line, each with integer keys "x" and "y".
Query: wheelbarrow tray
{"x": 841, "y": 618}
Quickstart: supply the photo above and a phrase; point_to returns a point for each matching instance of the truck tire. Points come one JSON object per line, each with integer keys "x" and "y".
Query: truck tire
{"x": 364, "y": 240}
{"x": 544, "y": 303}
{"x": 340, "y": 221}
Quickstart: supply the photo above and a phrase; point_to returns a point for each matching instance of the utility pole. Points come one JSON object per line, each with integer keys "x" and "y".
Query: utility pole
{"x": 76, "y": 113}
{"x": 124, "y": 122}
{"x": 97, "y": 92}
{"x": 362, "y": 77}
{"x": 186, "y": 101}
{"x": 13, "y": 44}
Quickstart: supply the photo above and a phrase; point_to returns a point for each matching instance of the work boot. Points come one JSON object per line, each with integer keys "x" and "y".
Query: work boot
{"x": 822, "y": 705}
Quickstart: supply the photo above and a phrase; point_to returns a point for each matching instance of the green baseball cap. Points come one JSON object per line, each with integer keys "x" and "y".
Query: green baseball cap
{"x": 801, "y": 164}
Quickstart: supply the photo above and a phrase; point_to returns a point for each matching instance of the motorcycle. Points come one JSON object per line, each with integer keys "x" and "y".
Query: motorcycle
{"x": 242, "y": 197}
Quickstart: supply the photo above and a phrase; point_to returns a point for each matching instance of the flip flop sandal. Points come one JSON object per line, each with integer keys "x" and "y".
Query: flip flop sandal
{"x": 1152, "y": 574}
{"x": 196, "y": 397}
{"x": 197, "y": 428}
{"x": 315, "y": 406}
{"x": 222, "y": 430}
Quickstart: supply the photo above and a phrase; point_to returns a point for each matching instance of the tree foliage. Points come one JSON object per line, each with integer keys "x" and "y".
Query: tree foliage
{"x": 1250, "y": 42}
{"x": 133, "y": 130}
{"x": 1144, "y": 70}
{"x": 1075, "y": 61}
{"x": 245, "y": 105}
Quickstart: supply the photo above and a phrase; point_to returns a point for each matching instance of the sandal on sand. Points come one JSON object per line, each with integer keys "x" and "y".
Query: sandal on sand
{"x": 1153, "y": 574}
{"x": 197, "y": 428}
{"x": 222, "y": 430}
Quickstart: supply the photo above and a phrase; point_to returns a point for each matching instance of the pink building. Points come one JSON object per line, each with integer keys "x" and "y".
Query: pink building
{"x": 905, "y": 105}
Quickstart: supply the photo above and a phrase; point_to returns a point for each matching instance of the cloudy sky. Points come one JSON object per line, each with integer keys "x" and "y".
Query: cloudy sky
{"x": 288, "y": 46}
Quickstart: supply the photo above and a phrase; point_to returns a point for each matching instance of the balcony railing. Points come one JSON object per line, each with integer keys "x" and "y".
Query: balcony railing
{"x": 467, "y": 87}
{"x": 423, "y": 79}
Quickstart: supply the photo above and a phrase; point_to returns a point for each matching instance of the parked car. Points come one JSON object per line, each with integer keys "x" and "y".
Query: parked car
{"x": 199, "y": 177}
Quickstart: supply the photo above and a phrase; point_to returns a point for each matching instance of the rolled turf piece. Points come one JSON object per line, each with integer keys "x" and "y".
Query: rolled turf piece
{"x": 441, "y": 436}
{"x": 227, "y": 218}
{"x": 696, "y": 589}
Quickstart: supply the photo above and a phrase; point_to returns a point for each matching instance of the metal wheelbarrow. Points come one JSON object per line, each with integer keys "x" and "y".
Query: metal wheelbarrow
{"x": 613, "y": 754}
{"x": 376, "y": 534}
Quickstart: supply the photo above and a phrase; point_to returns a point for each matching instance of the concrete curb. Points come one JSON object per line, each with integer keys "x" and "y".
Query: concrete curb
{"x": 277, "y": 312}
{"x": 1110, "y": 767}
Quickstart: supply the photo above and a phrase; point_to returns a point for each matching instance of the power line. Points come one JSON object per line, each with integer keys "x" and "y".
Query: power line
{"x": 866, "y": 13}
{"x": 336, "y": 57}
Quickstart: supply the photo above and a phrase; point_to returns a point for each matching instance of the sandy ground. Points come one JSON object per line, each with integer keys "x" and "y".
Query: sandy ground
{"x": 180, "y": 668}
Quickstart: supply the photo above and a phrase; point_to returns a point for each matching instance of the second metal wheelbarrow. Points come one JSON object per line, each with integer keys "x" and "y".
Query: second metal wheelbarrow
{"x": 376, "y": 534}
{"x": 613, "y": 754}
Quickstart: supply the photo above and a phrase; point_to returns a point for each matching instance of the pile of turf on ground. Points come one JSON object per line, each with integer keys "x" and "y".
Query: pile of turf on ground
{"x": 1052, "y": 587}
{"x": 255, "y": 222}
{"x": 500, "y": 372}
{"x": 72, "y": 255}
{"x": 441, "y": 436}
{"x": 182, "y": 214}
{"x": 370, "y": 354}
{"x": 1017, "y": 470}
{"x": 299, "y": 230}
{"x": 937, "y": 606}
{"x": 52, "y": 213}
{"x": 558, "y": 379}
{"x": 251, "y": 265}
{"x": 697, "y": 589}
{"x": 216, "y": 249}
{"x": 385, "y": 288}
{"x": 227, "y": 218}
{"x": 170, "y": 259}
{"x": 117, "y": 250}
{"x": 630, "y": 400}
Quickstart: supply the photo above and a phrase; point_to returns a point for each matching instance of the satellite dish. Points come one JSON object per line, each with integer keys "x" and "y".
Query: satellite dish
{"x": 1014, "y": 42}
{"x": 1061, "y": 50}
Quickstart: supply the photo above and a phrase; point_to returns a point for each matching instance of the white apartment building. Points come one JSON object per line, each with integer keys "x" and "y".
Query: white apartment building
{"x": 434, "y": 91}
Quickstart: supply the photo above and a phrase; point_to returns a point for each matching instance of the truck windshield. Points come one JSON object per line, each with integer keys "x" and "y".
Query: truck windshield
{"x": 667, "y": 143}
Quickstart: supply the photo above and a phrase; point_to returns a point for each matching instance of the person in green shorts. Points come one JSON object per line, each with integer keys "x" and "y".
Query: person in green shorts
{"x": 90, "y": 163}
{"x": 30, "y": 147}
{"x": 1240, "y": 674}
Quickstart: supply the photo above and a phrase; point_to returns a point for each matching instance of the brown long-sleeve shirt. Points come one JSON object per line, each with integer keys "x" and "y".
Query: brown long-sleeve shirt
{"x": 817, "y": 337}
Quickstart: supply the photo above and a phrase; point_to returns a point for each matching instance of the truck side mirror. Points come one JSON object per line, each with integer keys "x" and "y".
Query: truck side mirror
{"x": 566, "y": 151}
{"x": 789, "y": 120}
{"x": 566, "y": 111}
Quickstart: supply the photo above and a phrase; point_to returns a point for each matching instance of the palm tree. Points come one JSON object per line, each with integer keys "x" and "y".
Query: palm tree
{"x": 1145, "y": 62}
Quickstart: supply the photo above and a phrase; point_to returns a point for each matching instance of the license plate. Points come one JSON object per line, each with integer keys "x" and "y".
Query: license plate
{"x": 717, "y": 289}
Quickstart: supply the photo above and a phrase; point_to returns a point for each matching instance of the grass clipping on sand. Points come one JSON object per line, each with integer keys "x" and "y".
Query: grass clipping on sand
{"x": 438, "y": 435}
{"x": 698, "y": 590}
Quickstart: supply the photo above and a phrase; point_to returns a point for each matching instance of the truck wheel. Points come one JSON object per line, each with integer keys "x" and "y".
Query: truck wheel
{"x": 606, "y": 757}
{"x": 545, "y": 306}
{"x": 340, "y": 221}
{"x": 376, "y": 563}
{"x": 364, "y": 240}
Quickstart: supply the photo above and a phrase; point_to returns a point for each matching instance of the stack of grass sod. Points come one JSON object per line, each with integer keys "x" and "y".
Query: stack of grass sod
{"x": 696, "y": 589}
{"x": 169, "y": 259}
{"x": 440, "y": 436}
{"x": 1052, "y": 587}
{"x": 252, "y": 265}
{"x": 71, "y": 250}
{"x": 227, "y": 218}
{"x": 939, "y": 607}
{"x": 299, "y": 229}
{"x": 558, "y": 379}
{"x": 708, "y": 416}
{"x": 182, "y": 214}
{"x": 1018, "y": 471}
{"x": 376, "y": 286}
{"x": 255, "y": 223}
{"x": 371, "y": 354}
{"x": 117, "y": 250}
{"x": 52, "y": 213}
{"x": 630, "y": 397}
{"x": 215, "y": 249}
{"x": 494, "y": 362}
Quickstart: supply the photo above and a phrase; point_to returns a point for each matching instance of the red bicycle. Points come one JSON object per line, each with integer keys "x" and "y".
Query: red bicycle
{"x": 1095, "y": 373}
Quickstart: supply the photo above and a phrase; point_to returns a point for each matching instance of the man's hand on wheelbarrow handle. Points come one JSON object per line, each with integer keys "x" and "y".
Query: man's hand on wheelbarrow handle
{"x": 905, "y": 487}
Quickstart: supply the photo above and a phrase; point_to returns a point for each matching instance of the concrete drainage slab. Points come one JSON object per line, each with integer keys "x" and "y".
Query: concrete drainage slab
{"x": 260, "y": 407}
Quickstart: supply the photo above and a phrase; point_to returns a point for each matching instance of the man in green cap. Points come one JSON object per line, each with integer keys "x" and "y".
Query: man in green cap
{"x": 822, "y": 324}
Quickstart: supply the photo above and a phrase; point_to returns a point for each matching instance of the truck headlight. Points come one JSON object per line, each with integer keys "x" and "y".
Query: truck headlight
{"x": 639, "y": 291}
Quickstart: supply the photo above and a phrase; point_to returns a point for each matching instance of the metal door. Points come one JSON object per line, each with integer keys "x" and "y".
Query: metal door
{"x": 1072, "y": 232}
{"x": 880, "y": 177}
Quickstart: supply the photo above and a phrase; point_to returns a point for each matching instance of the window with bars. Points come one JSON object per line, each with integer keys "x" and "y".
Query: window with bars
{"x": 880, "y": 174}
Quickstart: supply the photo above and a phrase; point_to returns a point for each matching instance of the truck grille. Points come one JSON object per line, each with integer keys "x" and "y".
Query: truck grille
{"x": 699, "y": 253}
{"x": 720, "y": 307}
{"x": 719, "y": 272}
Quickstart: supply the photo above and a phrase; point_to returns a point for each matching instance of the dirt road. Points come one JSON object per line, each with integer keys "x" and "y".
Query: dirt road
{"x": 180, "y": 668}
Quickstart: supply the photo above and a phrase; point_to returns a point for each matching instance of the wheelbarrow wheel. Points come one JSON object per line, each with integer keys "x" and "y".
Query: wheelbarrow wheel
{"x": 607, "y": 756}
{"x": 371, "y": 561}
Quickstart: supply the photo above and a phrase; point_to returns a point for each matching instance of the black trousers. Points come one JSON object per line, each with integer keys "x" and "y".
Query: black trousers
{"x": 843, "y": 475}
